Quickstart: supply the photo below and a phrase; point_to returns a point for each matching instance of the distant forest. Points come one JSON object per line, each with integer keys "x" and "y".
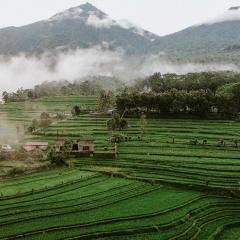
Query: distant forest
{"x": 204, "y": 94}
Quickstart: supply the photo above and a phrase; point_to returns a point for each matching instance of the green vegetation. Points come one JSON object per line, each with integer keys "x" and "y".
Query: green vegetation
{"x": 193, "y": 94}
{"x": 173, "y": 179}
{"x": 83, "y": 205}
{"x": 84, "y": 87}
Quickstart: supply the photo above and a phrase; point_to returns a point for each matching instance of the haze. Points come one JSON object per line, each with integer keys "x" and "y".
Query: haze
{"x": 159, "y": 16}
{"x": 73, "y": 65}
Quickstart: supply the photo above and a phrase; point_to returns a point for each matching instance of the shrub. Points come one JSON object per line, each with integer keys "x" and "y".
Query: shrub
{"x": 60, "y": 116}
{"x": 117, "y": 123}
{"x": 57, "y": 159}
{"x": 193, "y": 141}
{"x": 16, "y": 171}
{"x": 117, "y": 138}
{"x": 76, "y": 111}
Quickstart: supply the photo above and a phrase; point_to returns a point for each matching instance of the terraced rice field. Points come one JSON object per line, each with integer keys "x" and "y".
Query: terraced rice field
{"x": 22, "y": 112}
{"x": 156, "y": 157}
{"x": 158, "y": 189}
{"x": 73, "y": 204}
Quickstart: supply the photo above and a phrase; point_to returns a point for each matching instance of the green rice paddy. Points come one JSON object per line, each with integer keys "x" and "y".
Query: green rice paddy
{"x": 157, "y": 188}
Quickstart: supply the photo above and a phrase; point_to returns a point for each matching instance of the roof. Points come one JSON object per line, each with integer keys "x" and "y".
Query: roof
{"x": 6, "y": 145}
{"x": 36, "y": 144}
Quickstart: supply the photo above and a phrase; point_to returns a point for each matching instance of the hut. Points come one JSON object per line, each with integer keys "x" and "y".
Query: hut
{"x": 59, "y": 146}
{"x": 86, "y": 146}
{"x": 32, "y": 146}
{"x": 78, "y": 147}
{"x": 6, "y": 148}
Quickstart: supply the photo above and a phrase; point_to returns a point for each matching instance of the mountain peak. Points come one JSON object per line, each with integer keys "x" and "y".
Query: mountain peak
{"x": 90, "y": 15}
{"x": 88, "y": 7}
{"x": 80, "y": 12}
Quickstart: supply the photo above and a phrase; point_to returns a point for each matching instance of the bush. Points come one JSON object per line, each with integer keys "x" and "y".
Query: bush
{"x": 29, "y": 160}
{"x": 16, "y": 171}
{"x": 46, "y": 164}
{"x": 57, "y": 159}
{"x": 3, "y": 156}
{"x": 76, "y": 111}
{"x": 118, "y": 138}
{"x": 60, "y": 116}
{"x": 194, "y": 142}
{"x": 117, "y": 123}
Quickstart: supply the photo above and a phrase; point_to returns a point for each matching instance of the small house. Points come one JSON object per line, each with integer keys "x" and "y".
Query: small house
{"x": 82, "y": 146}
{"x": 59, "y": 146}
{"x": 86, "y": 146}
{"x": 32, "y": 146}
{"x": 6, "y": 148}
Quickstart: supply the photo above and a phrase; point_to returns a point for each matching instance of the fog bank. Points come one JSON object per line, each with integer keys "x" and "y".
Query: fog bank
{"x": 26, "y": 72}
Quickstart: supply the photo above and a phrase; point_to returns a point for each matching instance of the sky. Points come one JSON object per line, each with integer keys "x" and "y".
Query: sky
{"x": 158, "y": 16}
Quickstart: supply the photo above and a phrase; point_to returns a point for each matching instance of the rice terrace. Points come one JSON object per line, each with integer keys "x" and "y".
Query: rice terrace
{"x": 110, "y": 131}
{"x": 154, "y": 189}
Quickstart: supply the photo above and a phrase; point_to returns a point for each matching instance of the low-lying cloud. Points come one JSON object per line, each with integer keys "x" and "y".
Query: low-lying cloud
{"x": 23, "y": 71}
{"x": 232, "y": 14}
{"x": 97, "y": 22}
{"x": 10, "y": 133}
{"x": 131, "y": 26}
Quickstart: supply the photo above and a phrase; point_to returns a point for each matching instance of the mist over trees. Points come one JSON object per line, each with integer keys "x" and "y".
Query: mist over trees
{"x": 205, "y": 94}
{"x": 85, "y": 87}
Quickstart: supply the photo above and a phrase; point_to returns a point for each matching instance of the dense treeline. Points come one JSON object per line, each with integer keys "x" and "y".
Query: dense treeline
{"x": 199, "y": 103}
{"x": 91, "y": 86}
{"x": 198, "y": 94}
{"x": 201, "y": 94}
{"x": 207, "y": 81}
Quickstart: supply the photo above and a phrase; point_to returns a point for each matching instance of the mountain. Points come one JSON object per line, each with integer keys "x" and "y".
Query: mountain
{"x": 86, "y": 26}
{"x": 216, "y": 39}
{"x": 83, "y": 26}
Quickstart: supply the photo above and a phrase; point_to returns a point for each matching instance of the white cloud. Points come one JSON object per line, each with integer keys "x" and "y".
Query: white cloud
{"x": 97, "y": 22}
{"x": 23, "y": 71}
{"x": 229, "y": 15}
{"x": 131, "y": 26}
{"x": 72, "y": 13}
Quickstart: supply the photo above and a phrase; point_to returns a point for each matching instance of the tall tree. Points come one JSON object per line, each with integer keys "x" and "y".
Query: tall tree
{"x": 5, "y": 96}
{"x": 105, "y": 101}
{"x": 117, "y": 123}
{"x": 143, "y": 124}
